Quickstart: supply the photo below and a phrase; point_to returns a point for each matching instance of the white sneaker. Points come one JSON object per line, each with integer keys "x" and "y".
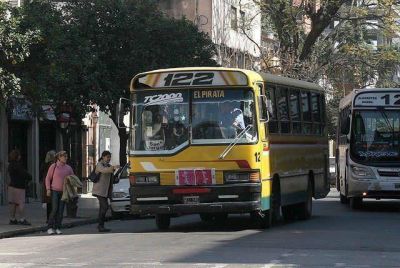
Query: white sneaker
{"x": 58, "y": 231}
{"x": 51, "y": 231}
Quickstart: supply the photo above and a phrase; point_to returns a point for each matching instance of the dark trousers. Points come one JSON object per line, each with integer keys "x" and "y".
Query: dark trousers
{"x": 103, "y": 202}
{"x": 48, "y": 211}
{"x": 72, "y": 208}
{"x": 57, "y": 210}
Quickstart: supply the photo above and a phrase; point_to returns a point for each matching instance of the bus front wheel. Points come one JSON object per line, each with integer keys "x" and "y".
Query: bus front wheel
{"x": 289, "y": 212}
{"x": 343, "y": 199}
{"x": 263, "y": 219}
{"x": 163, "y": 221}
{"x": 355, "y": 202}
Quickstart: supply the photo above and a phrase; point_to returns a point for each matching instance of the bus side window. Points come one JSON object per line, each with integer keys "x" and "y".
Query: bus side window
{"x": 306, "y": 113}
{"x": 273, "y": 122}
{"x": 316, "y": 113}
{"x": 323, "y": 114}
{"x": 283, "y": 111}
{"x": 294, "y": 106}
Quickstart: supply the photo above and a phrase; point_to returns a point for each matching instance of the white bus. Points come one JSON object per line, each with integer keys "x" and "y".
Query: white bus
{"x": 368, "y": 146}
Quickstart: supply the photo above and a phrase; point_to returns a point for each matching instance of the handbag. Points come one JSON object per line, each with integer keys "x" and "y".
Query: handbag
{"x": 93, "y": 176}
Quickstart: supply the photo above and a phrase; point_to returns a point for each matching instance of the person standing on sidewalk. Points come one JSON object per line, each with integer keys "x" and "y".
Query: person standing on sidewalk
{"x": 16, "y": 188}
{"x": 103, "y": 188}
{"x": 54, "y": 188}
{"x": 44, "y": 168}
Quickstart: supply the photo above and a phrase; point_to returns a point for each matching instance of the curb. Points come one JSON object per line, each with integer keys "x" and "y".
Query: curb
{"x": 44, "y": 228}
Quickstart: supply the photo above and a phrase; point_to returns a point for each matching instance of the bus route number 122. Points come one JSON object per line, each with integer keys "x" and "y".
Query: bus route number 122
{"x": 188, "y": 79}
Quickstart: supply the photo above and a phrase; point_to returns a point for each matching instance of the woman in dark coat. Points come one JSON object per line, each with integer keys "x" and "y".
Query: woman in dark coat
{"x": 48, "y": 161}
{"x": 103, "y": 188}
{"x": 19, "y": 178}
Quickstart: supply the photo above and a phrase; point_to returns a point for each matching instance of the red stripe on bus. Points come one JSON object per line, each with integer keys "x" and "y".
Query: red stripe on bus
{"x": 242, "y": 163}
{"x": 191, "y": 191}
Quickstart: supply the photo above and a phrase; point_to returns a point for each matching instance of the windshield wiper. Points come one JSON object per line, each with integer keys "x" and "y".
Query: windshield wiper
{"x": 234, "y": 142}
{"x": 387, "y": 121}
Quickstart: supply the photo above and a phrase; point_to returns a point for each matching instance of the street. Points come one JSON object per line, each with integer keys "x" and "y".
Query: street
{"x": 335, "y": 237}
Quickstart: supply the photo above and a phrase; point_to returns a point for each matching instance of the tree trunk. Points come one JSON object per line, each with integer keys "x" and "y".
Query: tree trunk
{"x": 123, "y": 142}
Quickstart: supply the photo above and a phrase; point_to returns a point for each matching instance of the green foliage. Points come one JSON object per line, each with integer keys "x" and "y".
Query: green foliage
{"x": 117, "y": 39}
{"x": 91, "y": 50}
{"x": 341, "y": 56}
{"x": 15, "y": 45}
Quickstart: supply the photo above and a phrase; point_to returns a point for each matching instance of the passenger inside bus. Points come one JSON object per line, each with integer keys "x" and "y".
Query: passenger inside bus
{"x": 178, "y": 122}
{"x": 231, "y": 119}
{"x": 153, "y": 132}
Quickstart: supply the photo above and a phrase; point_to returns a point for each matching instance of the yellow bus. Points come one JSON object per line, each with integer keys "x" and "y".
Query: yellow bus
{"x": 219, "y": 141}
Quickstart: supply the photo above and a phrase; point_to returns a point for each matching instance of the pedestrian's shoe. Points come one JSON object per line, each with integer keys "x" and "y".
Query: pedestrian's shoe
{"x": 51, "y": 231}
{"x": 58, "y": 231}
{"x": 24, "y": 222}
{"x": 102, "y": 229}
{"x": 13, "y": 222}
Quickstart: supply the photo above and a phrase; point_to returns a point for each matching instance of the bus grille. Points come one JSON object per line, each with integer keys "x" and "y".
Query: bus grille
{"x": 389, "y": 173}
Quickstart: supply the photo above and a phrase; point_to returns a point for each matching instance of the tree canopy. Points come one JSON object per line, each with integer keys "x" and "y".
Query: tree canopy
{"x": 332, "y": 42}
{"x": 15, "y": 45}
{"x": 90, "y": 50}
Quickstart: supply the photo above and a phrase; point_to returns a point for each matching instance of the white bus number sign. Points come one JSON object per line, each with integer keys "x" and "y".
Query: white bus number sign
{"x": 377, "y": 99}
{"x": 188, "y": 79}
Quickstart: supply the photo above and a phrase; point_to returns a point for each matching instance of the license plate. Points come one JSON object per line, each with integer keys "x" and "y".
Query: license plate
{"x": 195, "y": 177}
{"x": 190, "y": 199}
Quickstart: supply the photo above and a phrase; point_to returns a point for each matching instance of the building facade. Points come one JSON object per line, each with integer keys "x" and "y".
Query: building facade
{"x": 233, "y": 25}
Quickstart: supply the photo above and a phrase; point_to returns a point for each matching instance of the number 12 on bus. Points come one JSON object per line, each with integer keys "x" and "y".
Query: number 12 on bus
{"x": 218, "y": 141}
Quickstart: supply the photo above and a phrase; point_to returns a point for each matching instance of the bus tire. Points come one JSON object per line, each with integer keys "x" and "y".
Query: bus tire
{"x": 275, "y": 207}
{"x": 304, "y": 209}
{"x": 355, "y": 202}
{"x": 220, "y": 218}
{"x": 289, "y": 212}
{"x": 163, "y": 221}
{"x": 262, "y": 219}
{"x": 343, "y": 199}
{"x": 206, "y": 217}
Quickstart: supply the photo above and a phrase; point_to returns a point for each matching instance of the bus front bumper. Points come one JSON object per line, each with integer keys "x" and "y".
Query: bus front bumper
{"x": 374, "y": 189}
{"x": 238, "y": 198}
{"x": 217, "y": 207}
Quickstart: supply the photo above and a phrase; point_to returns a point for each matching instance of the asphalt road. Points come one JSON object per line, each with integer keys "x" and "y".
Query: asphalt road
{"x": 336, "y": 236}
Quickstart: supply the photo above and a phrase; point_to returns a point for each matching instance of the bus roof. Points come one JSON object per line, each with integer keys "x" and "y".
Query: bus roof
{"x": 266, "y": 77}
{"x": 347, "y": 100}
{"x": 282, "y": 80}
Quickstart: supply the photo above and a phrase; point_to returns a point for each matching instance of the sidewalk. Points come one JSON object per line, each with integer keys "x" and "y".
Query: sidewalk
{"x": 36, "y": 215}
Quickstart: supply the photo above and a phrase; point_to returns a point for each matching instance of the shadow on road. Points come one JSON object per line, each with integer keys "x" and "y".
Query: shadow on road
{"x": 333, "y": 228}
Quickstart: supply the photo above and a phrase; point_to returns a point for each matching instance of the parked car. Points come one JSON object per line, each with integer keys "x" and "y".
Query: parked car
{"x": 120, "y": 199}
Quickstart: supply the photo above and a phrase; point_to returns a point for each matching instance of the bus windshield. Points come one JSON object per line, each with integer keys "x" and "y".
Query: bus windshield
{"x": 162, "y": 118}
{"x": 376, "y": 136}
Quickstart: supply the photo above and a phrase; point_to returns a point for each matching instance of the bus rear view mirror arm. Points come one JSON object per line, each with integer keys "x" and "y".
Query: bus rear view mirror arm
{"x": 124, "y": 110}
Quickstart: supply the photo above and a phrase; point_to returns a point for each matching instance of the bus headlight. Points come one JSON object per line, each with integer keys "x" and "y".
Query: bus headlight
{"x": 362, "y": 172}
{"x": 237, "y": 177}
{"x": 142, "y": 179}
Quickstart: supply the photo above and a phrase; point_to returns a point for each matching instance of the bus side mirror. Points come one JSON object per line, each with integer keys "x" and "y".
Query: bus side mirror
{"x": 345, "y": 126}
{"x": 263, "y": 108}
{"x": 124, "y": 110}
{"x": 269, "y": 108}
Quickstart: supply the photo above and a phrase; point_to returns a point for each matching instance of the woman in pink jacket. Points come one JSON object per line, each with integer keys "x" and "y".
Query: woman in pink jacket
{"x": 54, "y": 186}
